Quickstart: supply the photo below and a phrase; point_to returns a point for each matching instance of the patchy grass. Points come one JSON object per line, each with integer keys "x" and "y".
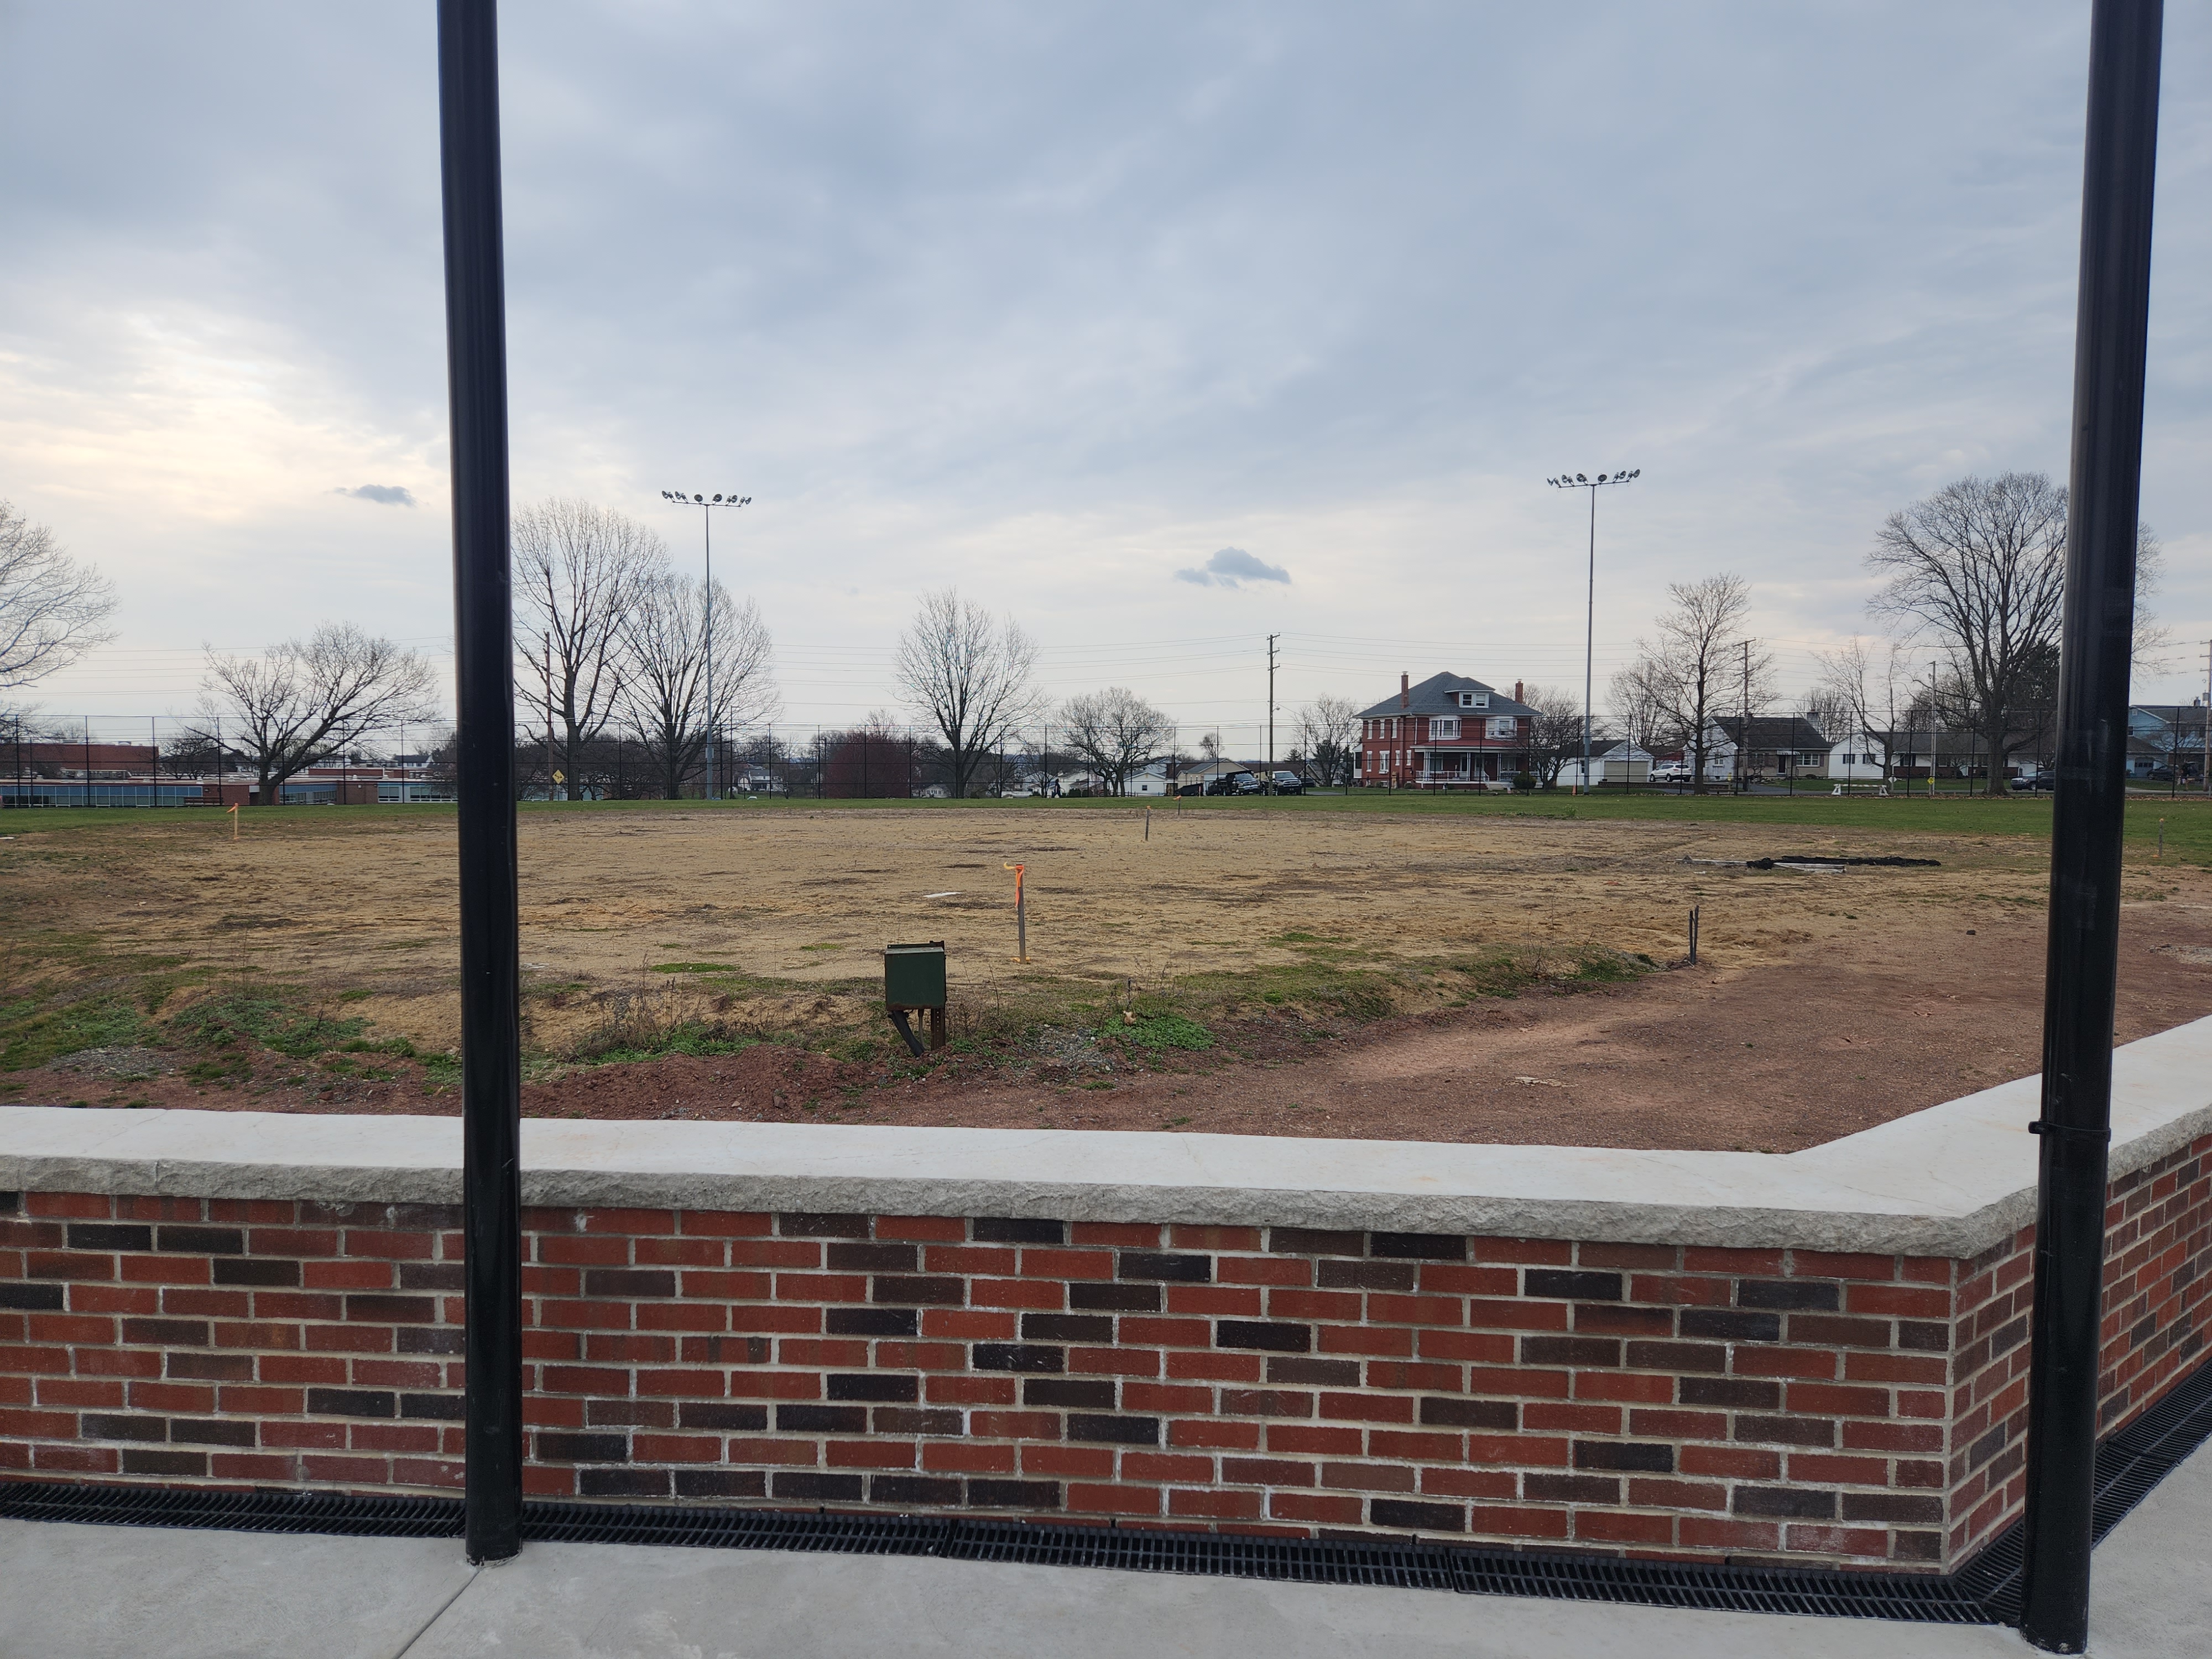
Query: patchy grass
{"x": 1158, "y": 1031}
{"x": 262, "y": 1017}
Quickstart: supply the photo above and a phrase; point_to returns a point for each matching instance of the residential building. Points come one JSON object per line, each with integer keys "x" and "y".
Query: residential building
{"x": 2168, "y": 737}
{"x": 1859, "y": 756}
{"x": 1767, "y": 747}
{"x": 1449, "y": 731}
{"x": 1612, "y": 760}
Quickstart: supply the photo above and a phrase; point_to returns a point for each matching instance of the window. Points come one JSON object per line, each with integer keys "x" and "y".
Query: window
{"x": 1474, "y": 699}
{"x": 1503, "y": 725}
{"x": 1443, "y": 727}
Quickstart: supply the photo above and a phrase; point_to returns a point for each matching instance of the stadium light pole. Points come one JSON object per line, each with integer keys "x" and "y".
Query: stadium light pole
{"x": 707, "y": 504}
{"x": 483, "y": 652}
{"x": 2089, "y": 816}
{"x": 1580, "y": 481}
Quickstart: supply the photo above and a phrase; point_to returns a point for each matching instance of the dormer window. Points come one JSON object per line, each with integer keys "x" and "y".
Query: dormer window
{"x": 1474, "y": 699}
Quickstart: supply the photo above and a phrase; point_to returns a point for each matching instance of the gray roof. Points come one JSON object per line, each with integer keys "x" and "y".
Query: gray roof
{"x": 1434, "y": 695}
{"x": 1791, "y": 732}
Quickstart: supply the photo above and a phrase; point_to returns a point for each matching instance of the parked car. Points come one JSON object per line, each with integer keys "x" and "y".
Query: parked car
{"x": 1671, "y": 772}
{"x": 2035, "y": 780}
{"x": 1248, "y": 783}
{"x": 1230, "y": 783}
{"x": 1289, "y": 783}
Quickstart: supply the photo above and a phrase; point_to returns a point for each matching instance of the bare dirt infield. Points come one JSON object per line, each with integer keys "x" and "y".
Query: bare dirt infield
{"x": 1825, "y": 1002}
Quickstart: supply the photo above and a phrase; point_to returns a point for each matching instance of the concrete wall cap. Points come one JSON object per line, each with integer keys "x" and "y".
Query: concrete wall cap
{"x": 1950, "y": 1181}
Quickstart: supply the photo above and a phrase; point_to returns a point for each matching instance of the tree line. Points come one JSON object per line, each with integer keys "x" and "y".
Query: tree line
{"x": 1974, "y": 575}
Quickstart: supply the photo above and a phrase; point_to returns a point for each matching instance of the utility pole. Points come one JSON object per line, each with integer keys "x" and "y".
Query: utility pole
{"x": 1272, "y": 638}
{"x": 1743, "y": 744}
{"x": 1590, "y": 612}
{"x": 546, "y": 666}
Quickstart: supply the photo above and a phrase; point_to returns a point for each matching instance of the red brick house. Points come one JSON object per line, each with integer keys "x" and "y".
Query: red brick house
{"x": 1449, "y": 731}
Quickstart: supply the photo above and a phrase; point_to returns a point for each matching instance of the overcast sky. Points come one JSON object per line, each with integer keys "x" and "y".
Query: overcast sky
{"x": 1164, "y": 327}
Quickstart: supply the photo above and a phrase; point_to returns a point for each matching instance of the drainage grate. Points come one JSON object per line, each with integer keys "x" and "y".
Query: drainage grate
{"x": 334, "y": 1513}
{"x": 1985, "y": 1591}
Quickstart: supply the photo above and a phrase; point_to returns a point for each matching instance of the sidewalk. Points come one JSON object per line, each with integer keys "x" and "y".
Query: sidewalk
{"x": 77, "y": 1592}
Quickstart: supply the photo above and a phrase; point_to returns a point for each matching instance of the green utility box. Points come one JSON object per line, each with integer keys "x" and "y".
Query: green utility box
{"x": 914, "y": 980}
{"x": 914, "y": 976}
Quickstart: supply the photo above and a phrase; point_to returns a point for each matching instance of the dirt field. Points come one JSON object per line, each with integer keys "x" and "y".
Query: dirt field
{"x": 1410, "y": 976}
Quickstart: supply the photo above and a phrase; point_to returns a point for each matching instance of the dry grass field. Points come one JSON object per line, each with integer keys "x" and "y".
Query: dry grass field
{"x": 311, "y": 964}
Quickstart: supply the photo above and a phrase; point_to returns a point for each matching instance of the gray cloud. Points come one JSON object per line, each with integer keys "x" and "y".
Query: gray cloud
{"x": 1232, "y": 567}
{"x": 389, "y": 495}
{"x": 1015, "y": 297}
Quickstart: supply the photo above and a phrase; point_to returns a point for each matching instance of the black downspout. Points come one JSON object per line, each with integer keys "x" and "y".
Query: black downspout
{"x": 483, "y": 644}
{"x": 2089, "y": 816}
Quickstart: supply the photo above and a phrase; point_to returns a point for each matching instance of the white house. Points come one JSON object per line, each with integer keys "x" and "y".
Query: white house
{"x": 1151, "y": 780}
{"x": 1858, "y": 758}
{"x": 1616, "y": 764}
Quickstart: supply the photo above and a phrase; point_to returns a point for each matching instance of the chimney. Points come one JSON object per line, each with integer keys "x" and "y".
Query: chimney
{"x": 1517, "y": 698}
{"x": 1405, "y": 691}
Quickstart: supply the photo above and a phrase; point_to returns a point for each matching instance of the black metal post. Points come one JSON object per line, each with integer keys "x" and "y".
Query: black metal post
{"x": 483, "y": 649}
{"x": 2111, "y": 319}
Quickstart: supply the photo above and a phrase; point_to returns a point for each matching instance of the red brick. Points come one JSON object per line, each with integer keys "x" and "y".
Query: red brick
{"x": 1367, "y": 1407}
{"x": 1392, "y": 1341}
{"x": 1368, "y": 1477}
{"x": 1146, "y": 1331}
{"x": 1827, "y": 1469}
{"x": 1322, "y": 1304}
{"x": 1183, "y": 1237}
{"x": 393, "y": 1437}
{"x": 1457, "y": 1279}
{"x": 1638, "y": 1386}
{"x": 1476, "y": 1347}
{"x": 1837, "y": 1540}
{"x": 1278, "y": 1270}
{"x": 869, "y": 1453}
{"x": 1732, "y": 1259}
{"x": 1760, "y": 1359}
{"x": 1517, "y": 1522}
{"x": 1662, "y": 1494}
{"x": 1096, "y": 1463}
{"x": 1831, "y": 1399}
{"x": 1926, "y": 1368}
{"x": 1213, "y": 1366}
{"x": 1430, "y": 1446}
{"x": 1047, "y": 1263}
{"x": 960, "y": 1456}
{"x": 1698, "y": 1532}
{"x": 1468, "y": 1483}
{"x": 1213, "y": 1432}
{"x": 776, "y": 1253}
{"x": 1036, "y": 1295}
{"x": 1534, "y": 1252}
{"x": 1322, "y": 1508}
{"x": 75, "y": 1207}
{"x": 1518, "y": 1315}
{"x": 579, "y": 1252}
{"x": 1114, "y": 1362}
{"x": 1236, "y": 1301}
{"x": 1165, "y": 1467}
{"x": 994, "y": 1260}
{"x": 1619, "y": 1527}
{"x": 1899, "y": 1301}
{"x": 727, "y": 1224}
{"x": 969, "y": 1390}
{"x": 680, "y": 1253}
{"x": 1517, "y": 1450}
{"x": 1731, "y": 1462}
{"x": 1215, "y": 1505}
{"x": 1543, "y": 1414}
{"x": 1670, "y": 1290}
{"x": 921, "y": 1229}
{"x": 1654, "y": 1424}
{"x": 1823, "y": 1264}
{"x": 1121, "y": 1235}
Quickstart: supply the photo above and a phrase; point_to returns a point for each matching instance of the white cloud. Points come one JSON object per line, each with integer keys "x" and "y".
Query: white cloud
{"x": 388, "y": 495}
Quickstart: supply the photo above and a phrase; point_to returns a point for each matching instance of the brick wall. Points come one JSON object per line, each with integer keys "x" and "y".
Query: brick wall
{"x": 1659, "y": 1399}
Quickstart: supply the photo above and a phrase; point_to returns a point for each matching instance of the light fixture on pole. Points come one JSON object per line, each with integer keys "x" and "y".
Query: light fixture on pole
{"x": 1580, "y": 481}
{"x": 707, "y": 504}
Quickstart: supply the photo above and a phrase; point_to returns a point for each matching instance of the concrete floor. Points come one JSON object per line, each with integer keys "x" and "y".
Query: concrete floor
{"x": 77, "y": 1592}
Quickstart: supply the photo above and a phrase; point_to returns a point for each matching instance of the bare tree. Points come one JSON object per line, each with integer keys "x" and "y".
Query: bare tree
{"x": 52, "y": 607}
{"x": 1981, "y": 566}
{"x": 969, "y": 676}
{"x": 1116, "y": 733}
{"x": 299, "y": 705}
{"x": 1865, "y": 691}
{"x": 1629, "y": 706}
{"x": 1328, "y": 733}
{"x": 577, "y": 569}
{"x": 663, "y": 692}
{"x": 1555, "y": 734}
{"x": 1701, "y": 667}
